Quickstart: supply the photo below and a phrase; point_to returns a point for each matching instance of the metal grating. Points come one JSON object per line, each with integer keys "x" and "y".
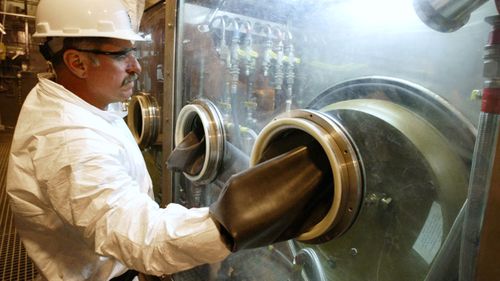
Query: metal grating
{"x": 14, "y": 262}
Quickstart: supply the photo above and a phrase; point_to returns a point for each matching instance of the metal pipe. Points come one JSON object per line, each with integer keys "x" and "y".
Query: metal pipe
{"x": 289, "y": 70}
{"x": 234, "y": 71}
{"x": 222, "y": 49}
{"x": 310, "y": 265}
{"x": 17, "y": 15}
{"x": 478, "y": 189}
{"x": 3, "y": 27}
{"x": 204, "y": 27}
{"x": 487, "y": 270}
{"x": 249, "y": 70}
{"x": 446, "y": 15}
{"x": 484, "y": 156}
{"x": 278, "y": 67}
{"x": 169, "y": 95}
{"x": 247, "y": 47}
{"x": 268, "y": 50}
{"x": 26, "y": 31}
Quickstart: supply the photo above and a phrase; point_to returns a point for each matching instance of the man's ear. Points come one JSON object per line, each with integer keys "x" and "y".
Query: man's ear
{"x": 75, "y": 62}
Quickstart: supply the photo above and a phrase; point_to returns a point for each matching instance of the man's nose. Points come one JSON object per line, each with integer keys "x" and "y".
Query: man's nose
{"x": 134, "y": 66}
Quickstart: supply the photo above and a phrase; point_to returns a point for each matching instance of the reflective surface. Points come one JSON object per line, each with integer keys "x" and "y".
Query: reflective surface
{"x": 144, "y": 119}
{"x": 145, "y": 107}
{"x": 399, "y": 90}
{"x": 415, "y": 181}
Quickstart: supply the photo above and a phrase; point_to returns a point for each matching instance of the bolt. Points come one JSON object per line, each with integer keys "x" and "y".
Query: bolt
{"x": 354, "y": 252}
{"x": 386, "y": 202}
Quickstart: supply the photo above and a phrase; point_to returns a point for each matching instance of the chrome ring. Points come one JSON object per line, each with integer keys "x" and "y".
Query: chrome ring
{"x": 213, "y": 128}
{"x": 343, "y": 161}
{"x": 144, "y": 119}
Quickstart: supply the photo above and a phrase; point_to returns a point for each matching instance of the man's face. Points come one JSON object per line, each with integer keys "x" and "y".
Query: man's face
{"x": 112, "y": 78}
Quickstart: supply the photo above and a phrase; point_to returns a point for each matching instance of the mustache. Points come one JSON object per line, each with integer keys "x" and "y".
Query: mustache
{"x": 129, "y": 79}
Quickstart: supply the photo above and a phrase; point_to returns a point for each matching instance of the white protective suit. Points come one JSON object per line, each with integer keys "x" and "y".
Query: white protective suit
{"x": 82, "y": 197}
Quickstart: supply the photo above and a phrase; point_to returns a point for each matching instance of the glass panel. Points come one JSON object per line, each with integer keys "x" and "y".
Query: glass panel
{"x": 144, "y": 108}
{"x": 254, "y": 60}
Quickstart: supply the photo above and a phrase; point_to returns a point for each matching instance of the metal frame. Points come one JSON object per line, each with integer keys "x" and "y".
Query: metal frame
{"x": 168, "y": 96}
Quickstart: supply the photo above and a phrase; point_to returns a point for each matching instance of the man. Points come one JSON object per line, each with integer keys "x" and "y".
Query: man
{"x": 77, "y": 182}
{"x": 78, "y": 185}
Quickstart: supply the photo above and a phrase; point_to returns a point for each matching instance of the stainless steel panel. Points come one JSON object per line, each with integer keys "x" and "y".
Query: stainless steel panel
{"x": 259, "y": 61}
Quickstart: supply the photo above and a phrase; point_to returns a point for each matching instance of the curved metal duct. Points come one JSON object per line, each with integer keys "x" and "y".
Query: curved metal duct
{"x": 446, "y": 15}
{"x": 308, "y": 262}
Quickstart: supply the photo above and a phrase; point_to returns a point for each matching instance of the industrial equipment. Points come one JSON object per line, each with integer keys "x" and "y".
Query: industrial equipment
{"x": 389, "y": 89}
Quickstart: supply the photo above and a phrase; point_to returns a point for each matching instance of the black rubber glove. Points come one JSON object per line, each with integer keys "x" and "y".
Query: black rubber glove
{"x": 189, "y": 155}
{"x": 277, "y": 200}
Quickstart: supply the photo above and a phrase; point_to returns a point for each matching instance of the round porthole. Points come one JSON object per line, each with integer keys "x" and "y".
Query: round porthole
{"x": 343, "y": 160}
{"x": 144, "y": 119}
{"x": 201, "y": 114}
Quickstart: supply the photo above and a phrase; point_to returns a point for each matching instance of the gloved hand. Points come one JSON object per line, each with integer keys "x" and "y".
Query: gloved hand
{"x": 189, "y": 155}
{"x": 277, "y": 200}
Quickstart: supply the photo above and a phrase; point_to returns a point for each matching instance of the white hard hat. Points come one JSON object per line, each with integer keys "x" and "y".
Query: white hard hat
{"x": 84, "y": 18}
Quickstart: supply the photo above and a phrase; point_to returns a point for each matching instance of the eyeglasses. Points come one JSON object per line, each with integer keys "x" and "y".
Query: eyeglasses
{"x": 117, "y": 55}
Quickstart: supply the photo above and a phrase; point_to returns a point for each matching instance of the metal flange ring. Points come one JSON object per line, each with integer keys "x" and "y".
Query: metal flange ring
{"x": 343, "y": 159}
{"x": 204, "y": 112}
{"x": 144, "y": 119}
